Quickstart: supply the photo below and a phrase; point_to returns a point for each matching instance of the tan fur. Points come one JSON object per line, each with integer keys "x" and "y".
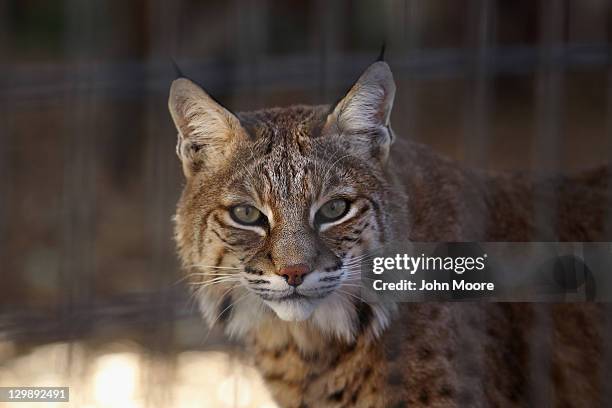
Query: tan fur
{"x": 341, "y": 351}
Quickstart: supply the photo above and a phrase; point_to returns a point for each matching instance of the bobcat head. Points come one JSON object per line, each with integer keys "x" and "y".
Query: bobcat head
{"x": 281, "y": 204}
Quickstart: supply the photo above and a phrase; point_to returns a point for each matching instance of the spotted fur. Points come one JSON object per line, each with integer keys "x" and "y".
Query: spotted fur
{"x": 321, "y": 344}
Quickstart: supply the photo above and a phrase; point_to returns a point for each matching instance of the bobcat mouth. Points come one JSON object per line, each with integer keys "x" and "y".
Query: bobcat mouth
{"x": 293, "y": 296}
{"x": 308, "y": 294}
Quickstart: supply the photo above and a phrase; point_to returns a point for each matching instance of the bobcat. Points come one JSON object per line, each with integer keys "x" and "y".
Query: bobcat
{"x": 280, "y": 205}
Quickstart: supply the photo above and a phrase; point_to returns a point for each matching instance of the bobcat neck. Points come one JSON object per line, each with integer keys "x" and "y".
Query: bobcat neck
{"x": 303, "y": 368}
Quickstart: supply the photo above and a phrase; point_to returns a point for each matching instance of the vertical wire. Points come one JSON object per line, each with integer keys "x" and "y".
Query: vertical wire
{"x": 322, "y": 46}
{"x": 481, "y": 33}
{"x": 608, "y": 10}
{"x": 477, "y": 117}
{"x": 412, "y": 15}
{"x": 67, "y": 268}
{"x": 154, "y": 32}
{"x": 606, "y": 388}
{"x": 549, "y": 100}
{"x": 163, "y": 29}
{"x": 606, "y": 367}
{"x": 395, "y": 29}
{"x": 76, "y": 278}
{"x": 330, "y": 29}
{"x": 410, "y": 37}
{"x": 546, "y": 151}
{"x": 470, "y": 364}
{"x": 5, "y": 136}
{"x": 78, "y": 178}
{"x": 540, "y": 393}
{"x": 250, "y": 16}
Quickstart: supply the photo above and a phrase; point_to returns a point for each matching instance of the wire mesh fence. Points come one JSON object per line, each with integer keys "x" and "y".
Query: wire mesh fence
{"x": 88, "y": 175}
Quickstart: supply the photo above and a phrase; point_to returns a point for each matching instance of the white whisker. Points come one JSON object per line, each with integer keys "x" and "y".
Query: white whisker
{"x": 352, "y": 294}
{"x": 212, "y": 325}
{"x": 213, "y": 267}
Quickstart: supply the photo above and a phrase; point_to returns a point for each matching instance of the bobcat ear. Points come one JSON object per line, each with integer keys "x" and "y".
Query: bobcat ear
{"x": 207, "y": 132}
{"x": 362, "y": 115}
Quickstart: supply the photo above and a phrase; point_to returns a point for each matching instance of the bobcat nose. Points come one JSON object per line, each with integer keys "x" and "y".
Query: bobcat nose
{"x": 294, "y": 274}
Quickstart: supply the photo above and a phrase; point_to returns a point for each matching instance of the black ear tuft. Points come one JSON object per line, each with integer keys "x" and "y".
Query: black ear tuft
{"x": 381, "y": 56}
{"x": 177, "y": 71}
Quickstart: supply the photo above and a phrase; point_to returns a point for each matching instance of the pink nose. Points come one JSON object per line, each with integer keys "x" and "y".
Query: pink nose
{"x": 294, "y": 274}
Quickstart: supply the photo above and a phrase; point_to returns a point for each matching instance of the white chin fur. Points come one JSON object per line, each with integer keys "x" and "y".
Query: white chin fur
{"x": 292, "y": 310}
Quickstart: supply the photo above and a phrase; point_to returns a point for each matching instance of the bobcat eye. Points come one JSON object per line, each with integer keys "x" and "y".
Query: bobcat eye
{"x": 246, "y": 214}
{"x": 332, "y": 210}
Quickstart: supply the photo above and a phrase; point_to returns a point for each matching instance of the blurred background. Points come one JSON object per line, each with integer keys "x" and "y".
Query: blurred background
{"x": 90, "y": 290}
